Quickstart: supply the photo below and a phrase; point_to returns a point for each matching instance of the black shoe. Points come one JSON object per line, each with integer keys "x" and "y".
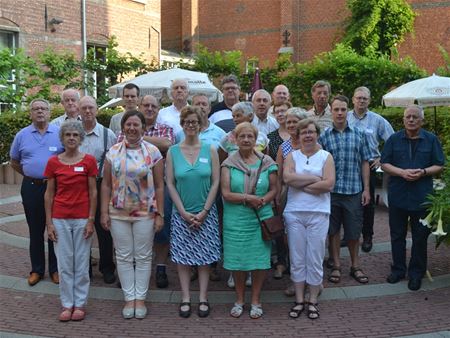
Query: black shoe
{"x": 187, "y": 313}
{"x": 161, "y": 279}
{"x": 109, "y": 277}
{"x": 414, "y": 284}
{"x": 367, "y": 244}
{"x": 393, "y": 278}
{"x": 329, "y": 263}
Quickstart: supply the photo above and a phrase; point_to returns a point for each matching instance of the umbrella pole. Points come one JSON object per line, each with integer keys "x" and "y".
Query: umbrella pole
{"x": 435, "y": 130}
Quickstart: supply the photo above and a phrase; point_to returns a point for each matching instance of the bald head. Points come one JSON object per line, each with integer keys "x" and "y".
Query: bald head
{"x": 88, "y": 109}
{"x": 280, "y": 94}
{"x": 149, "y": 106}
{"x": 179, "y": 92}
{"x": 261, "y": 102}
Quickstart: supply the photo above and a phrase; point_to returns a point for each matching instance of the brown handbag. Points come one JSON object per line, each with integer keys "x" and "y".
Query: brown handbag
{"x": 272, "y": 227}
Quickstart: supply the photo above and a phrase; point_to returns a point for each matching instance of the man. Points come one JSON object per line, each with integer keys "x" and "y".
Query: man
{"x": 69, "y": 100}
{"x": 30, "y": 151}
{"x": 321, "y": 112}
{"x": 209, "y": 132}
{"x": 221, "y": 112}
{"x": 179, "y": 92}
{"x": 97, "y": 142}
{"x": 350, "y": 151}
{"x": 262, "y": 121}
{"x": 280, "y": 95}
{"x": 377, "y": 129}
{"x": 411, "y": 157}
{"x": 130, "y": 96}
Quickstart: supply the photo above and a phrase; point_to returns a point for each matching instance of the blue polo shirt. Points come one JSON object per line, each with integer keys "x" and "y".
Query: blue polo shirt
{"x": 400, "y": 152}
{"x": 33, "y": 149}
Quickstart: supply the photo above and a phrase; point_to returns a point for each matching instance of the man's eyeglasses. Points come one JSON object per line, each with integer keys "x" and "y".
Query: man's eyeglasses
{"x": 308, "y": 132}
{"x": 191, "y": 123}
{"x": 39, "y": 108}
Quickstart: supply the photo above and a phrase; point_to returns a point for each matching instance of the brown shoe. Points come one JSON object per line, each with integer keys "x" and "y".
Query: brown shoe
{"x": 78, "y": 314}
{"x": 34, "y": 278}
{"x": 54, "y": 277}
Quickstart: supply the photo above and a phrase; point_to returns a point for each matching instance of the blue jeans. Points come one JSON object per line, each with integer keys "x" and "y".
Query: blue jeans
{"x": 398, "y": 224}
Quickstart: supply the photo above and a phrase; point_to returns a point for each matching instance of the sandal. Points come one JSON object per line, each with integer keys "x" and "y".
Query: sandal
{"x": 314, "y": 313}
{"x": 185, "y": 313}
{"x": 358, "y": 275}
{"x": 65, "y": 314}
{"x": 237, "y": 310}
{"x": 335, "y": 276}
{"x": 295, "y": 311}
{"x": 203, "y": 313}
{"x": 256, "y": 311}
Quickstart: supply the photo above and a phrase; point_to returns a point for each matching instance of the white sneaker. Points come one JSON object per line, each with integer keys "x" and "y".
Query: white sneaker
{"x": 248, "y": 281}
{"x": 230, "y": 282}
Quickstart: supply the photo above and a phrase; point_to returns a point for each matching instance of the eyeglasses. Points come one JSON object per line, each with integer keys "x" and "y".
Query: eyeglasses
{"x": 308, "y": 132}
{"x": 148, "y": 105}
{"x": 230, "y": 88}
{"x": 191, "y": 123}
{"x": 362, "y": 98}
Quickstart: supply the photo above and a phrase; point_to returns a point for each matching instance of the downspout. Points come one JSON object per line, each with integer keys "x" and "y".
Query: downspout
{"x": 84, "y": 42}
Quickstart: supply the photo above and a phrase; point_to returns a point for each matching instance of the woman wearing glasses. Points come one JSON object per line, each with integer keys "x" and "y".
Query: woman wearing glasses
{"x": 193, "y": 180}
{"x": 310, "y": 176}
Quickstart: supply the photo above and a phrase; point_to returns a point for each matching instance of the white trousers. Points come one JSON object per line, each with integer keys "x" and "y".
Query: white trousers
{"x": 72, "y": 252}
{"x": 307, "y": 233}
{"x": 133, "y": 242}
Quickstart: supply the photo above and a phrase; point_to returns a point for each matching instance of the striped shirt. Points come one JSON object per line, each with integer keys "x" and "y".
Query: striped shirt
{"x": 349, "y": 149}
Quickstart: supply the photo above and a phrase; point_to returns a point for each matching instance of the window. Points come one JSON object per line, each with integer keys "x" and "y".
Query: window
{"x": 99, "y": 79}
{"x": 8, "y": 39}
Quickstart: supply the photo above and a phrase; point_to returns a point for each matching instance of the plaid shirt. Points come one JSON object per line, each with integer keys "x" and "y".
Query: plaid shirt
{"x": 349, "y": 148}
{"x": 157, "y": 130}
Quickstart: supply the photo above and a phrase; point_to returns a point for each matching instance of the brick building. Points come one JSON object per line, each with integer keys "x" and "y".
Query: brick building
{"x": 35, "y": 25}
{"x": 256, "y": 27}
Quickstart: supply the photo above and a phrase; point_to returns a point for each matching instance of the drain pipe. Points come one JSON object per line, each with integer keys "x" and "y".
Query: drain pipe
{"x": 84, "y": 42}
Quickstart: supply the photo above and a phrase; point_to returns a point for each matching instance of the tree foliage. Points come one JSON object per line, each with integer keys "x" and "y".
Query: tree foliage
{"x": 375, "y": 27}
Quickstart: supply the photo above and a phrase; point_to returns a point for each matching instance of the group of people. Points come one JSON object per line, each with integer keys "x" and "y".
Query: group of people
{"x": 194, "y": 182}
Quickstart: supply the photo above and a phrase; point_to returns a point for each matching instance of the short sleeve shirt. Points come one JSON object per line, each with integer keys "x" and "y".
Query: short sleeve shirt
{"x": 72, "y": 188}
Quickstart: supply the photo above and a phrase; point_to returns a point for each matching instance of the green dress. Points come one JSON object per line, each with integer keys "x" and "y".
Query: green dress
{"x": 243, "y": 247}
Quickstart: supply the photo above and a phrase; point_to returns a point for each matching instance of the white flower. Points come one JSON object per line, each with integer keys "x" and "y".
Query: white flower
{"x": 440, "y": 230}
{"x": 427, "y": 221}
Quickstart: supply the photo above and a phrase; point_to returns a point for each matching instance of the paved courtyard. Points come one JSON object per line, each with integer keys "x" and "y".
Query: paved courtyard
{"x": 348, "y": 309}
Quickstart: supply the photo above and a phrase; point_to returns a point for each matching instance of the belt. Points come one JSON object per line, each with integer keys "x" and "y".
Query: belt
{"x": 37, "y": 181}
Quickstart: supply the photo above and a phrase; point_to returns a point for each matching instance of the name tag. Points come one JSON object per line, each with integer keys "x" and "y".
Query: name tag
{"x": 52, "y": 148}
{"x": 78, "y": 169}
{"x": 369, "y": 131}
{"x": 203, "y": 160}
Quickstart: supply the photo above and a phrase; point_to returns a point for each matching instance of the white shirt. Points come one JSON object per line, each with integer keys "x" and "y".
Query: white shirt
{"x": 170, "y": 116}
{"x": 267, "y": 126}
{"x": 59, "y": 120}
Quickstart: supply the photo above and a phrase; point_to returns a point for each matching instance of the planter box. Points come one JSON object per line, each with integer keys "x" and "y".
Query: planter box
{"x": 8, "y": 175}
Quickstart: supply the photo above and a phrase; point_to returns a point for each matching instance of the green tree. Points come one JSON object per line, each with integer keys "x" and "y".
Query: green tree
{"x": 377, "y": 26}
{"x": 444, "y": 70}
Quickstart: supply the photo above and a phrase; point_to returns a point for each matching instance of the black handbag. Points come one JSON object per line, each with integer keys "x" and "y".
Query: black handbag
{"x": 273, "y": 227}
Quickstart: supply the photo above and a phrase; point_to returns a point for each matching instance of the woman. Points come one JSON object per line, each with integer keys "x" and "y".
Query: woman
{"x": 70, "y": 204}
{"x": 309, "y": 174}
{"x": 241, "y": 112}
{"x": 276, "y": 138}
{"x": 244, "y": 194}
{"x": 193, "y": 182}
{"x": 133, "y": 181}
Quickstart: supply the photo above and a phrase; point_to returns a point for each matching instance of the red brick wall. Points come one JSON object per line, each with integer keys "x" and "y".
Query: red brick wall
{"x": 255, "y": 27}
{"x": 130, "y": 21}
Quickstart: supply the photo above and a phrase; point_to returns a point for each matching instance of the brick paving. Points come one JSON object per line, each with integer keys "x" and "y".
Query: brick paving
{"x": 406, "y": 313}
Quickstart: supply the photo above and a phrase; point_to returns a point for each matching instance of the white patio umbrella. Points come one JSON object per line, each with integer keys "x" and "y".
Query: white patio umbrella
{"x": 431, "y": 91}
{"x": 158, "y": 84}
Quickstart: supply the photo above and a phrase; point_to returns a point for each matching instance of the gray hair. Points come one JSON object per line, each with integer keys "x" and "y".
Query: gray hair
{"x": 69, "y": 90}
{"x": 41, "y": 100}
{"x": 180, "y": 80}
{"x": 262, "y": 92}
{"x": 201, "y": 94}
{"x": 362, "y": 89}
{"x": 231, "y": 78}
{"x": 321, "y": 83}
{"x": 72, "y": 125}
{"x": 418, "y": 108}
{"x": 245, "y": 107}
{"x": 297, "y": 112}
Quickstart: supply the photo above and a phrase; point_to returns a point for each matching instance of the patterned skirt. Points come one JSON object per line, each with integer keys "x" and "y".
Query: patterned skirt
{"x": 195, "y": 246}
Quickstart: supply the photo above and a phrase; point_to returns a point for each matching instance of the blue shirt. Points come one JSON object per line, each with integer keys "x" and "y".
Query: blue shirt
{"x": 211, "y": 135}
{"x": 33, "y": 149}
{"x": 348, "y": 148}
{"x": 400, "y": 152}
{"x": 375, "y": 126}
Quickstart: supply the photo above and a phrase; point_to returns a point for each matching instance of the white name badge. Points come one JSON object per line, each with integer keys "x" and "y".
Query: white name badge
{"x": 52, "y": 148}
{"x": 203, "y": 160}
{"x": 78, "y": 169}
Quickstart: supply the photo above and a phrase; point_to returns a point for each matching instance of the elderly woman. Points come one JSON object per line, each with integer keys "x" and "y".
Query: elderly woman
{"x": 133, "y": 180}
{"x": 241, "y": 112}
{"x": 193, "y": 182}
{"x": 245, "y": 194}
{"x": 309, "y": 174}
{"x": 70, "y": 204}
